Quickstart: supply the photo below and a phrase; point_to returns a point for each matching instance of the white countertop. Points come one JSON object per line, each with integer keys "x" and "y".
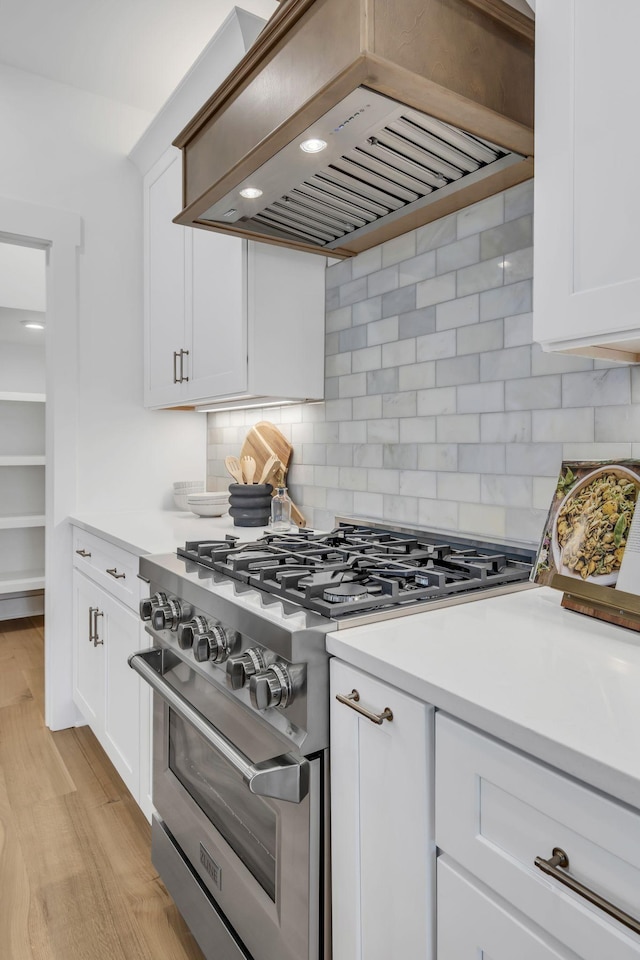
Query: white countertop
{"x": 159, "y": 531}
{"x": 558, "y": 685}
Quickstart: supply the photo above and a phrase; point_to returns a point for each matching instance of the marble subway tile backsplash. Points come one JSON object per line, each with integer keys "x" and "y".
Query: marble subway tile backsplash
{"x": 439, "y": 410}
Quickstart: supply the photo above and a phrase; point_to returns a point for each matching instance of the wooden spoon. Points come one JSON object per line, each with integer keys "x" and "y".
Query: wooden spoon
{"x": 235, "y": 470}
{"x": 248, "y": 465}
{"x": 271, "y": 464}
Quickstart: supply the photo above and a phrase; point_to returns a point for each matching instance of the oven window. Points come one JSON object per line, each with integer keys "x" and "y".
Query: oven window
{"x": 246, "y": 821}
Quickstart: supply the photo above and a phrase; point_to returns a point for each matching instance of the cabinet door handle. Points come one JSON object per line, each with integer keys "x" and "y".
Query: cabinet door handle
{"x": 83, "y": 553}
{"x": 91, "y": 612}
{"x": 183, "y": 354}
{"x": 560, "y": 859}
{"x": 97, "y": 642}
{"x": 351, "y": 700}
{"x": 175, "y": 367}
{"x": 113, "y": 571}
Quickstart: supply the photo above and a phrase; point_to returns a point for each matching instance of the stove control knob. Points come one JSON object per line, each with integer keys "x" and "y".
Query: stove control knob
{"x": 239, "y": 669}
{"x": 187, "y": 633}
{"x": 272, "y": 688}
{"x": 211, "y": 644}
{"x": 150, "y": 604}
{"x": 167, "y": 615}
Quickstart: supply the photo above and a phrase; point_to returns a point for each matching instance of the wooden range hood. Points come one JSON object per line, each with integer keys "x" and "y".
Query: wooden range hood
{"x": 426, "y": 107}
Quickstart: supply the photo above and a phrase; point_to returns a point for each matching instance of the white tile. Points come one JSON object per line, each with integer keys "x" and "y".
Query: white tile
{"x": 438, "y": 401}
{"x": 459, "y": 486}
{"x": 418, "y": 430}
{"x": 518, "y": 330}
{"x": 337, "y": 365}
{"x": 302, "y": 433}
{"x": 481, "y": 216}
{"x": 401, "y": 456}
{"x": 367, "y": 262}
{"x": 544, "y": 489}
{"x": 370, "y": 358}
{"x": 313, "y": 453}
{"x": 436, "y": 290}
{"x": 434, "y": 346}
{"x": 399, "y": 353}
{"x": 338, "y": 409}
{"x": 548, "y": 363}
{"x": 382, "y": 331}
{"x": 512, "y": 427}
{"x": 326, "y": 432}
{"x": 458, "y": 370}
{"x": 417, "y": 376}
{"x": 352, "y": 431}
{"x": 514, "y": 235}
{"x": 480, "y": 397}
{"x": 422, "y": 267}
{"x": 525, "y": 524}
{"x": 458, "y": 428}
{"x": 314, "y": 496}
{"x": 534, "y": 459}
{"x": 367, "y": 455}
{"x": 353, "y": 478}
{"x": 382, "y": 281}
{"x": 481, "y": 458}
{"x": 482, "y": 519}
{"x": 399, "y": 404}
{"x": 533, "y": 393}
{"x": 481, "y": 276}
{"x": 436, "y": 234}
{"x": 438, "y": 456}
{"x": 518, "y": 266}
{"x": 573, "y": 425}
{"x": 507, "y": 491}
{"x": 338, "y": 319}
{"x": 384, "y": 481}
{"x": 340, "y": 501}
{"x": 401, "y": 509}
{"x": 339, "y": 454}
{"x": 506, "y": 301}
{"x": 598, "y": 451}
{"x": 511, "y": 364}
{"x": 458, "y": 313}
{"x": 353, "y": 385}
{"x": 518, "y": 200}
{"x": 618, "y": 423}
{"x": 480, "y": 337}
{"x": 597, "y": 388}
{"x": 417, "y": 483}
{"x": 462, "y": 253}
{"x": 367, "y": 408}
{"x": 368, "y": 505}
{"x": 438, "y": 514}
{"x": 326, "y": 476}
{"x": 400, "y": 248}
{"x": 383, "y": 431}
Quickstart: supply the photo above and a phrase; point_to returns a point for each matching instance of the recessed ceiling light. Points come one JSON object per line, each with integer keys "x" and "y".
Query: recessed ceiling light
{"x": 32, "y": 324}
{"x": 313, "y": 145}
{"x": 251, "y": 193}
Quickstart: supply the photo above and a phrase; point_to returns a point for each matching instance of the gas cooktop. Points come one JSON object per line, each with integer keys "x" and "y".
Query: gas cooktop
{"x": 359, "y": 568}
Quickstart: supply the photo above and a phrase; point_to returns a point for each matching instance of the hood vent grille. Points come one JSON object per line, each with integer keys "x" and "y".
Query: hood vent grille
{"x": 406, "y": 160}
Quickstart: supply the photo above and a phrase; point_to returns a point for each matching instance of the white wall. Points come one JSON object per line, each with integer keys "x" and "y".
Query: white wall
{"x": 67, "y": 149}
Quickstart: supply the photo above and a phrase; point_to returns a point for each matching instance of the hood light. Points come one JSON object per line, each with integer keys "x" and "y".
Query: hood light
{"x": 313, "y": 145}
{"x": 251, "y": 193}
{"x": 32, "y": 324}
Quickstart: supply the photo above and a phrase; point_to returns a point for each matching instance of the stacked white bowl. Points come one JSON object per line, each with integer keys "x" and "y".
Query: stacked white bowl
{"x": 212, "y": 504}
{"x": 182, "y": 489}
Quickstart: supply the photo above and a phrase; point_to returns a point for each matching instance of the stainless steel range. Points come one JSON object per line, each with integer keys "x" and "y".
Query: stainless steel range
{"x": 241, "y": 712}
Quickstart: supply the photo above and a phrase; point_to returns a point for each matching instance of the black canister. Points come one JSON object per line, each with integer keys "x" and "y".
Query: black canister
{"x": 250, "y": 504}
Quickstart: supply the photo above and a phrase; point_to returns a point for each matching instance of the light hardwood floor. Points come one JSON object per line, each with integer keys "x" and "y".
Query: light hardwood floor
{"x": 76, "y": 878}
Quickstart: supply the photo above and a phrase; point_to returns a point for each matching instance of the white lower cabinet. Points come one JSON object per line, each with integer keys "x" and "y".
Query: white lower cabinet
{"x": 382, "y": 850}
{"x": 473, "y": 926}
{"x": 497, "y": 811}
{"x": 110, "y": 696}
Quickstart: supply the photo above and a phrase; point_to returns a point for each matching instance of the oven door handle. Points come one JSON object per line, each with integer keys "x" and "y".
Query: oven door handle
{"x": 283, "y": 778}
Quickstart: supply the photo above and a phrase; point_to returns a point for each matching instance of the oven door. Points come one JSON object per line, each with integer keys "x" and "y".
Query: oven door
{"x": 245, "y": 814}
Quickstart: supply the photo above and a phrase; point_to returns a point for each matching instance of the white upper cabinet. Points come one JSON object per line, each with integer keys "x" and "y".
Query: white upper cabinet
{"x": 587, "y": 195}
{"x": 223, "y": 319}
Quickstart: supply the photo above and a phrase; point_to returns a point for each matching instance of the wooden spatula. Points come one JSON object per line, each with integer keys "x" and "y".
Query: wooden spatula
{"x": 248, "y": 465}
{"x": 235, "y": 470}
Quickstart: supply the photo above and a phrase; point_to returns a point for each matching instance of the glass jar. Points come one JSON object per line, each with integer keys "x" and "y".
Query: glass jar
{"x": 280, "y": 510}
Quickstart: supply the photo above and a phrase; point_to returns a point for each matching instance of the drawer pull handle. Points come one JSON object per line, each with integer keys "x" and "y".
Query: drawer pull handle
{"x": 351, "y": 700}
{"x": 83, "y": 553}
{"x": 114, "y": 573}
{"x": 560, "y": 859}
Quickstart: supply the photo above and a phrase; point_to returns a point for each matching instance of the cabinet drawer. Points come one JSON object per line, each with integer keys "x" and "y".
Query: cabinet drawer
{"x": 112, "y": 567}
{"x": 497, "y": 810}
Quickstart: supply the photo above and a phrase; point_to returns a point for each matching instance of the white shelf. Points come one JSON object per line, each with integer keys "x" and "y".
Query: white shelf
{"x": 22, "y": 461}
{"x": 21, "y": 580}
{"x": 21, "y": 522}
{"x": 23, "y": 397}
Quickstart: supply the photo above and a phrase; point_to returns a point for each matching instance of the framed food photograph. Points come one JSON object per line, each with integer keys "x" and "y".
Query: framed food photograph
{"x": 590, "y": 546}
